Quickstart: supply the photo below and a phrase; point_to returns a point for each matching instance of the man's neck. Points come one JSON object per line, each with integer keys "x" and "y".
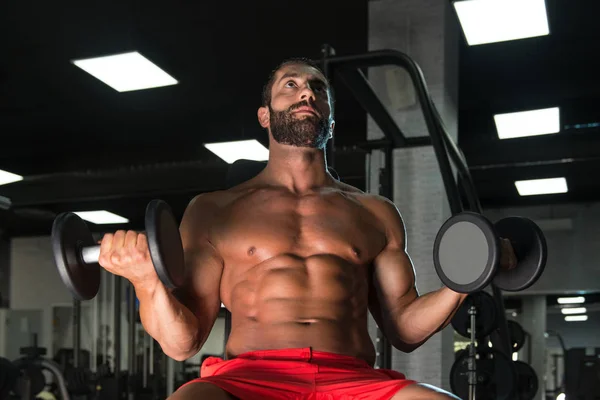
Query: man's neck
{"x": 300, "y": 170}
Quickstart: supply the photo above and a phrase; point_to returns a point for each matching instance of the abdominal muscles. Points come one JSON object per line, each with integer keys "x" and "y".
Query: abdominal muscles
{"x": 292, "y": 302}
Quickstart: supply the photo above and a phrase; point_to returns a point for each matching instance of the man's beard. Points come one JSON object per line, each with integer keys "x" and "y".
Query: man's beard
{"x": 309, "y": 131}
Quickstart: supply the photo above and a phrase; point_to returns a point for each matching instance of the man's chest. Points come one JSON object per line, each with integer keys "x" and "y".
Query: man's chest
{"x": 267, "y": 223}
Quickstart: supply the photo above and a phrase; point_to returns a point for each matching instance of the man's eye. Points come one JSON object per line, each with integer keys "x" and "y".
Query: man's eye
{"x": 290, "y": 84}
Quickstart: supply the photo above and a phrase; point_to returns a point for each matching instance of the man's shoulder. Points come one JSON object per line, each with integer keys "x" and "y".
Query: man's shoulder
{"x": 344, "y": 187}
{"x": 382, "y": 207}
{"x": 216, "y": 199}
{"x": 368, "y": 199}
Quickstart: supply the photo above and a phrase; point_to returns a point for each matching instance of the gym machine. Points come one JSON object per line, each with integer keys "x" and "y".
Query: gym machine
{"x": 24, "y": 379}
{"x": 464, "y": 206}
{"x": 480, "y": 371}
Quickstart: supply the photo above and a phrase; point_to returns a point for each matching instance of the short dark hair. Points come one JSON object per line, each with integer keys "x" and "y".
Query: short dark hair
{"x": 268, "y": 87}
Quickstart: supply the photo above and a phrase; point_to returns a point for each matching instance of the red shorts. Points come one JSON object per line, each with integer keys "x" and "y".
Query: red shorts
{"x": 300, "y": 374}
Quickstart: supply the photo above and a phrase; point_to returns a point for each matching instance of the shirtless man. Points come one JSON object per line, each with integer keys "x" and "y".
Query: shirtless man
{"x": 299, "y": 259}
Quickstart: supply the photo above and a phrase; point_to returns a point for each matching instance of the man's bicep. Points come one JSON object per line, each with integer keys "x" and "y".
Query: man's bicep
{"x": 393, "y": 276}
{"x": 393, "y": 280}
{"x": 201, "y": 291}
{"x": 203, "y": 264}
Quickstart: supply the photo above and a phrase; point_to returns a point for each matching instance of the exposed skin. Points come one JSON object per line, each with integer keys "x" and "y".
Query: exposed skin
{"x": 297, "y": 257}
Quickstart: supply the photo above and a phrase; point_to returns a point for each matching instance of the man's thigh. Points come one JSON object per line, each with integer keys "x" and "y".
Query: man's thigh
{"x": 422, "y": 391}
{"x": 201, "y": 390}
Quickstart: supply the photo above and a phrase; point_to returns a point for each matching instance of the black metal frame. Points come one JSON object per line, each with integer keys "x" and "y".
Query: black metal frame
{"x": 348, "y": 68}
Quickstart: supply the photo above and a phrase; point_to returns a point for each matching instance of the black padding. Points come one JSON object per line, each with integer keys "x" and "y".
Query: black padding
{"x": 243, "y": 170}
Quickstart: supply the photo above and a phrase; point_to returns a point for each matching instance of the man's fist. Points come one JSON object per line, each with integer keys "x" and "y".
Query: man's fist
{"x": 125, "y": 253}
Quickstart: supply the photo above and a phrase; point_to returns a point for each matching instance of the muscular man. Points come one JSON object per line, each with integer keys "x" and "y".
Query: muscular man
{"x": 299, "y": 259}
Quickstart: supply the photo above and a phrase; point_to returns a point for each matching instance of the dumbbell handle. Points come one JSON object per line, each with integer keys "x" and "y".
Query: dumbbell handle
{"x": 90, "y": 254}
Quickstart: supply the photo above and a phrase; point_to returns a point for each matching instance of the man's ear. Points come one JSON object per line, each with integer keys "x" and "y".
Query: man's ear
{"x": 264, "y": 118}
{"x": 331, "y": 126}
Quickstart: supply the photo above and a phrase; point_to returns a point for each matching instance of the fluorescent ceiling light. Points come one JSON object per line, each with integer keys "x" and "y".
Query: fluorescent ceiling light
{"x": 489, "y": 21}
{"x": 8, "y": 177}
{"x": 126, "y": 72}
{"x": 233, "y": 151}
{"x": 102, "y": 217}
{"x": 571, "y": 318}
{"x": 573, "y": 310}
{"x": 542, "y": 186}
{"x": 571, "y": 300}
{"x": 528, "y": 123}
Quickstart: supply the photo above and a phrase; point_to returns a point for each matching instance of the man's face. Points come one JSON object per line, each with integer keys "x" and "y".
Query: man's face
{"x": 299, "y": 113}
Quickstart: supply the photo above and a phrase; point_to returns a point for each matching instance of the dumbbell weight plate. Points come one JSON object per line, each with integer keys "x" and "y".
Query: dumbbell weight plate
{"x": 164, "y": 242}
{"x": 485, "y": 319}
{"x": 527, "y": 381}
{"x": 466, "y": 252}
{"x": 530, "y": 249}
{"x": 516, "y": 335}
{"x": 69, "y": 235}
{"x": 496, "y": 376}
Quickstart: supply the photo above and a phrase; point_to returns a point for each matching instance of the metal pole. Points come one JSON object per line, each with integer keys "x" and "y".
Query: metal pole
{"x": 76, "y": 331}
{"x": 117, "y": 333}
{"x": 145, "y": 362}
{"x": 95, "y": 327}
{"x": 386, "y": 189}
{"x": 151, "y": 365}
{"x": 104, "y": 325}
{"x": 471, "y": 361}
{"x": 170, "y": 376}
{"x": 131, "y": 357}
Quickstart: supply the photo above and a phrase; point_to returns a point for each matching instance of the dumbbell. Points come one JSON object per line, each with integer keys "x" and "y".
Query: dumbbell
{"x": 467, "y": 253}
{"x": 76, "y": 253}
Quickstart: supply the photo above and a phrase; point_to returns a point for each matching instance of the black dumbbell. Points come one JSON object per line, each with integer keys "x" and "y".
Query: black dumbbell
{"x": 467, "y": 253}
{"x": 76, "y": 253}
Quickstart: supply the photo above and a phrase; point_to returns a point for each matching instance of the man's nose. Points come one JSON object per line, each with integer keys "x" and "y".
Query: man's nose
{"x": 307, "y": 94}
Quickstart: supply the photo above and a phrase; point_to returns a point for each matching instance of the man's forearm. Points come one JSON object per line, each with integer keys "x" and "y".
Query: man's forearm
{"x": 170, "y": 323}
{"x": 427, "y": 315}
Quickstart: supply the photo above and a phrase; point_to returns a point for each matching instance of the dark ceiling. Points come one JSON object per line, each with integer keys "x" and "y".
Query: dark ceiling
{"x": 81, "y": 145}
{"x": 559, "y": 70}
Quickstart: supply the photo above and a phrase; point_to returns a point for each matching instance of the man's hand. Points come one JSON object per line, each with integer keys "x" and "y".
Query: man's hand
{"x": 508, "y": 258}
{"x": 126, "y": 254}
